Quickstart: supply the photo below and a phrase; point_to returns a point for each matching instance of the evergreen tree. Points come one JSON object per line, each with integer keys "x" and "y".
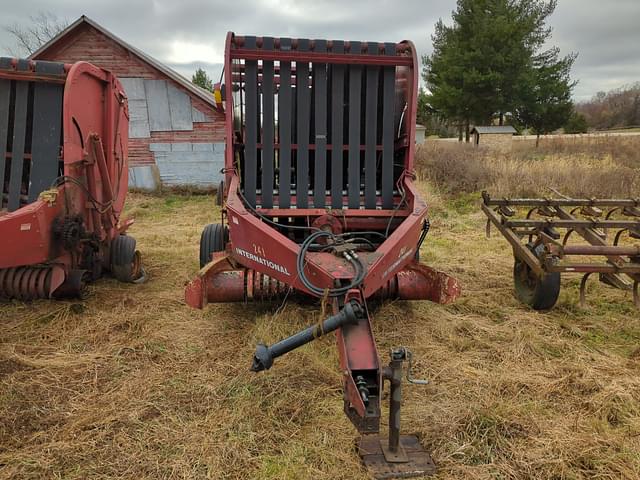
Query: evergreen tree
{"x": 482, "y": 65}
{"x": 546, "y": 100}
{"x": 577, "y": 123}
{"x": 201, "y": 79}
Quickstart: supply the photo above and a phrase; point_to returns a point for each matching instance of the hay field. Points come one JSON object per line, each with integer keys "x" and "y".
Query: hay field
{"x": 579, "y": 166}
{"x": 130, "y": 383}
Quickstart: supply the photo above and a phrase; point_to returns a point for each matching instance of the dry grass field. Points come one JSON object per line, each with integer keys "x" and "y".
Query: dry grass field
{"x": 130, "y": 383}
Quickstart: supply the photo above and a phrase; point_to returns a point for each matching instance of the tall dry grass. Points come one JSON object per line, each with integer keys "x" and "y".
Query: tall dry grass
{"x": 576, "y": 166}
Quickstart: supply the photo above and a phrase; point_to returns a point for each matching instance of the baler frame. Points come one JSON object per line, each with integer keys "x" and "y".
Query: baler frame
{"x": 299, "y": 218}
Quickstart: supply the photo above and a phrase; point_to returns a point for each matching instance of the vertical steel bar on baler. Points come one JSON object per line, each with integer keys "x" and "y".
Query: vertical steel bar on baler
{"x": 303, "y": 118}
{"x": 18, "y": 143}
{"x": 284, "y": 128}
{"x": 251, "y": 125}
{"x": 320, "y": 136}
{"x": 5, "y": 97}
{"x": 371, "y": 131}
{"x": 337, "y": 127}
{"x": 268, "y": 122}
{"x": 388, "y": 105}
{"x": 47, "y": 125}
{"x": 355, "y": 93}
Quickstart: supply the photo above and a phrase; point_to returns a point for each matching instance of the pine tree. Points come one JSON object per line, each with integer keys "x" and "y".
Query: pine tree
{"x": 577, "y": 123}
{"x": 201, "y": 79}
{"x": 482, "y": 65}
{"x": 546, "y": 98}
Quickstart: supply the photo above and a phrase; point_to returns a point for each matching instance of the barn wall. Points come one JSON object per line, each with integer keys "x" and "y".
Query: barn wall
{"x": 169, "y": 121}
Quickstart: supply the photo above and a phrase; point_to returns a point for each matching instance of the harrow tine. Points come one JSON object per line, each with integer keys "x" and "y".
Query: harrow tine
{"x": 636, "y": 293}
{"x": 583, "y": 288}
{"x": 618, "y": 235}
{"x": 488, "y": 229}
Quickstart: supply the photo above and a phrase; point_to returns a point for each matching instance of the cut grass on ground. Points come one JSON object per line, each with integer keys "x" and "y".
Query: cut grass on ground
{"x": 132, "y": 384}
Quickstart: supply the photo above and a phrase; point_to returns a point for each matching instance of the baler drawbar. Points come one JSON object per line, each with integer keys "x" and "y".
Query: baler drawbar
{"x": 319, "y": 200}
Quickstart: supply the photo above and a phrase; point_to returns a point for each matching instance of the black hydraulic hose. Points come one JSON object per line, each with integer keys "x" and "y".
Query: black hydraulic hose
{"x": 359, "y": 267}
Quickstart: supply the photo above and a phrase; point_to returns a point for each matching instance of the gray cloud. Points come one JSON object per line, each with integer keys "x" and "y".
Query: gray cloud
{"x": 605, "y": 34}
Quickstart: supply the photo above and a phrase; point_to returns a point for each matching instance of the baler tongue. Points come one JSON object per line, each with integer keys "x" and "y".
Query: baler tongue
{"x": 264, "y": 356}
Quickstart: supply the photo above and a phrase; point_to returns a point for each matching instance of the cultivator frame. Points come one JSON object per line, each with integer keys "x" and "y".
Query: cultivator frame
{"x": 320, "y": 201}
{"x": 63, "y": 179}
{"x": 548, "y": 226}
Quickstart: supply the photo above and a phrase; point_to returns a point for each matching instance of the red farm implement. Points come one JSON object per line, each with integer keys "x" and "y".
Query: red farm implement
{"x": 568, "y": 236}
{"x": 320, "y": 201}
{"x": 63, "y": 179}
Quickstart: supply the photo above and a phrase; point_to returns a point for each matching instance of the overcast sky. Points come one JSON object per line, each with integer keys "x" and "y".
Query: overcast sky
{"x": 186, "y": 34}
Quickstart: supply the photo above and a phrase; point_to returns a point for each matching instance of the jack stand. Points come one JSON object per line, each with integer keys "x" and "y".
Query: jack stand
{"x": 399, "y": 456}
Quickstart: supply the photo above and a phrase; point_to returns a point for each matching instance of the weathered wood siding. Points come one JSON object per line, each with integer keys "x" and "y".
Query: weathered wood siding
{"x": 150, "y": 93}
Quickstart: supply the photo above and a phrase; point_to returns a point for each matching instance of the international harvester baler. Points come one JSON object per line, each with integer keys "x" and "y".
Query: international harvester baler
{"x": 320, "y": 200}
{"x": 63, "y": 179}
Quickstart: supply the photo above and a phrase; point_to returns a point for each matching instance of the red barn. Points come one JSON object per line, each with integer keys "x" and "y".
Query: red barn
{"x": 176, "y": 134}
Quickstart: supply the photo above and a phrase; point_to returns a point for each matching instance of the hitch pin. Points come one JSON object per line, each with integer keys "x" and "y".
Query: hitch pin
{"x": 410, "y": 379}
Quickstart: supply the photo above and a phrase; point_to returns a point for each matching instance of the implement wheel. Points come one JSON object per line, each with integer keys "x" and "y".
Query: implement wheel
{"x": 540, "y": 293}
{"x": 213, "y": 239}
{"x": 126, "y": 262}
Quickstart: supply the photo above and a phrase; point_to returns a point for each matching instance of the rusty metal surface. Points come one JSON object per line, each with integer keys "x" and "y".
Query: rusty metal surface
{"x": 221, "y": 282}
{"x": 419, "y": 462}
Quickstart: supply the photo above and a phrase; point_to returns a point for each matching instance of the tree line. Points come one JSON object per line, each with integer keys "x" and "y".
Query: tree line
{"x": 617, "y": 108}
{"x": 492, "y": 65}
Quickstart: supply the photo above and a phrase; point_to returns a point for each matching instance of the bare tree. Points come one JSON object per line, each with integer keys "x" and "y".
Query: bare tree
{"x": 29, "y": 37}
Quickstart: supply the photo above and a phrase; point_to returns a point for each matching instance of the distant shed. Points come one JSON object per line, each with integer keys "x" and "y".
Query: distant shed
{"x": 494, "y": 137}
{"x": 176, "y": 134}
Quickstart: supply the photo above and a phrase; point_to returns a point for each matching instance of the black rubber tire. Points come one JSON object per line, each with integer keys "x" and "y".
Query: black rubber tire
{"x": 125, "y": 259}
{"x": 213, "y": 239}
{"x": 538, "y": 293}
{"x": 220, "y": 194}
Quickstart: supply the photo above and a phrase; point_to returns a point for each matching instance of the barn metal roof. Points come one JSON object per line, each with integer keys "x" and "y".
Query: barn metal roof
{"x": 172, "y": 74}
{"x": 494, "y": 129}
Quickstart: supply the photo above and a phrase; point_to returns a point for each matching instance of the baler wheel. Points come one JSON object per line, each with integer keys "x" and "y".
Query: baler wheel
{"x": 220, "y": 194}
{"x": 540, "y": 293}
{"x": 126, "y": 262}
{"x": 213, "y": 239}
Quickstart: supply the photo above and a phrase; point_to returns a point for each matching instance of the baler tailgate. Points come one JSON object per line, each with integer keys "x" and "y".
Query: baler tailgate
{"x": 322, "y": 102}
